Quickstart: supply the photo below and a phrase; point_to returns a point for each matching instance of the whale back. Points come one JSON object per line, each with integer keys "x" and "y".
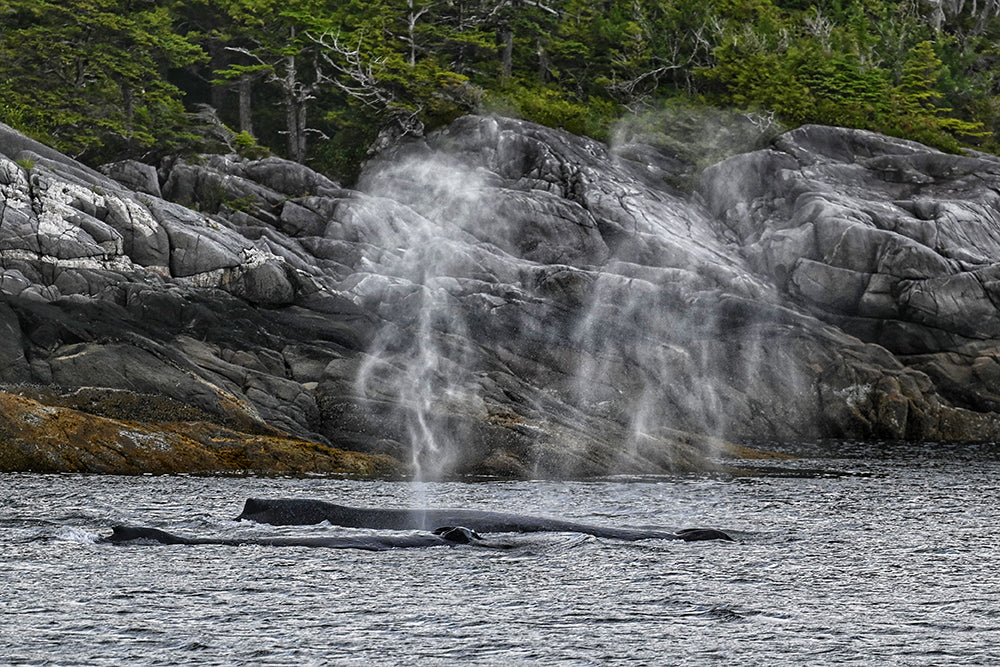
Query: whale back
{"x": 143, "y": 534}
{"x": 702, "y": 534}
{"x": 296, "y": 512}
{"x": 129, "y": 533}
{"x": 291, "y": 512}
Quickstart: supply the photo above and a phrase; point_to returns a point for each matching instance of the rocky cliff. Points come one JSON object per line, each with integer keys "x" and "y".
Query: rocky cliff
{"x": 498, "y": 298}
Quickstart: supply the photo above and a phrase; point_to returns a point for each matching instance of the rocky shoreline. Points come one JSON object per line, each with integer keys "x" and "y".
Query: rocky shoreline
{"x": 498, "y": 298}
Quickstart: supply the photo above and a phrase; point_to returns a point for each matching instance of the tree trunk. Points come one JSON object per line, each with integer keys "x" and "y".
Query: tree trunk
{"x": 544, "y": 65}
{"x": 412, "y": 33}
{"x": 292, "y": 115}
{"x": 128, "y": 105}
{"x": 292, "y": 127}
{"x": 245, "y": 88}
{"x": 300, "y": 147}
{"x": 295, "y": 108}
{"x": 506, "y": 53}
{"x": 219, "y": 61}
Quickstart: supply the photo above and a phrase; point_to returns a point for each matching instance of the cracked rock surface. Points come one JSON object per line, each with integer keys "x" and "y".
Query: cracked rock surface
{"x": 506, "y": 299}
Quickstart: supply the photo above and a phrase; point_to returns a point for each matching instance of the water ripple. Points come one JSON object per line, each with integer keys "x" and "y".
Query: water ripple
{"x": 886, "y": 567}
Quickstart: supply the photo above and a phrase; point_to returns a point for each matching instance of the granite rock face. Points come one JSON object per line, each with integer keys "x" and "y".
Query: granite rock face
{"x": 891, "y": 242}
{"x": 506, "y": 299}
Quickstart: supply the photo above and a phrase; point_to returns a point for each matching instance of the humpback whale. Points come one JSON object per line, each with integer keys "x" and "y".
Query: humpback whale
{"x": 301, "y": 512}
{"x": 445, "y": 536}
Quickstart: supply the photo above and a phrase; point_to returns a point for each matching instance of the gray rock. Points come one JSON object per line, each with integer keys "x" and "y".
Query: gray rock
{"x": 134, "y": 176}
{"x": 503, "y": 298}
{"x": 14, "y": 366}
{"x": 288, "y": 177}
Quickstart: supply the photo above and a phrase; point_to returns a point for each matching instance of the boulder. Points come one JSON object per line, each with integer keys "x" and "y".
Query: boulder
{"x": 134, "y": 176}
{"x": 893, "y": 241}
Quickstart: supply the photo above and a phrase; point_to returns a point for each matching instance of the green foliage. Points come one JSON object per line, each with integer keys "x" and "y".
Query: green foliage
{"x": 89, "y": 76}
{"x": 246, "y": 204}
{"x": 839, "y": 74}
{"x": 246, "y": 146}
{"x": 917, "y": 102}
{"x": 548, "y": 105}
{"x": 320, "y": 81}
{"x": 343, "y": 153}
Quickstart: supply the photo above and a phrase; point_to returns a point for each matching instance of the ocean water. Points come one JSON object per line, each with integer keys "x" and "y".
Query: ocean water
{"x": 850, "y": 554}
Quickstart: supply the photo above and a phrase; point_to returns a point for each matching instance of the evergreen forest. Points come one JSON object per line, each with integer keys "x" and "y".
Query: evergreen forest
{"x": 321, "y": 81}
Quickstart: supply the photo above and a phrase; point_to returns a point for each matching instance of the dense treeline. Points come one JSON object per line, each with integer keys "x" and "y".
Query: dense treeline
{"x": 320, "y": 80}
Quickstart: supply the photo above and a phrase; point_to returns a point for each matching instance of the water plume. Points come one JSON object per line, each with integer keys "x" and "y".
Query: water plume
{"x": 552, "y": 300}
{"x": 696, "y": 137}
{"x": 421, "y": 361}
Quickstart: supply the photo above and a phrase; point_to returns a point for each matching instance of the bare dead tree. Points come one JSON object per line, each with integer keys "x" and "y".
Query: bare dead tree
{"x": 762, "y": 121}
{"x": 820, "y": 27}
{"x": 284, "y": 71}
{"x": 413, "y": 16}
{"x": 357, "y": 77}
{"x": 635, "y": 92}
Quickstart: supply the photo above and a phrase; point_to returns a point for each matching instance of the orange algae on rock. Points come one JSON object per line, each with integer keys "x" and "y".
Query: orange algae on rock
{"x": 35, "y": 437}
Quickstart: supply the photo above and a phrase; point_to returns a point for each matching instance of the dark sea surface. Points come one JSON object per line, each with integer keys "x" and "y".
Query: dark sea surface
{"x": 851, "y": 554}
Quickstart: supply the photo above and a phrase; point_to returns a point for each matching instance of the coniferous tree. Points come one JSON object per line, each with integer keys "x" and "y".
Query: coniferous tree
{"x": 106, "y": 78}
{"x": 89, "y": 76}
{"x": 918, "y": 100}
